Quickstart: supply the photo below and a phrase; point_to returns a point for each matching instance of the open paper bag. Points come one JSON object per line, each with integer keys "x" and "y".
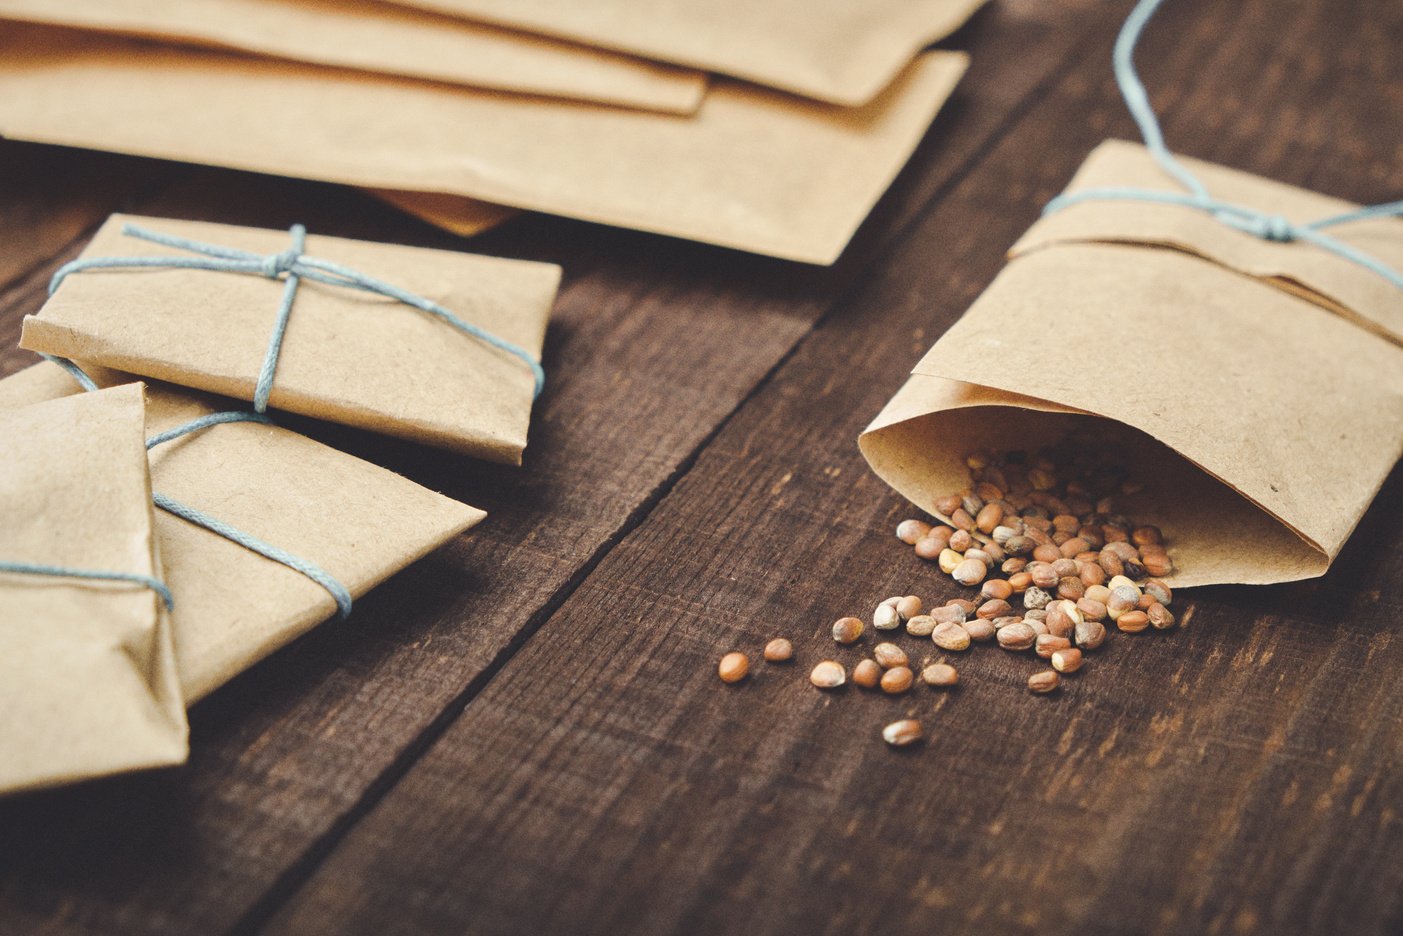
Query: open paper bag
{"x": 359, "y": 522}
{"x": 348, "y": 356}
{"x": 87, "y": 673}
{"x": 379, "y": 37}
{"x": 1257, "y": 387}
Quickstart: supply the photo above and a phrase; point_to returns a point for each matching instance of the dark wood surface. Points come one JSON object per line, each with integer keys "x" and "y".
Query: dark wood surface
{"x": 524, "y": 732}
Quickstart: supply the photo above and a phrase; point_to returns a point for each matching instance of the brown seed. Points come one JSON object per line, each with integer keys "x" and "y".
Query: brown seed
{"x": 1091, "y": 574}
{"x": 1020, "y": 581}
{"x": 734, "y": 667}
{"x": 897, "y": 680}
{"x": 1047, "y": 553}
{"x": 1161, "y": 618}
{"x": 960, "y": 540}
{"x": 1147, "y": 535}
{"x": 1133, "y": 622}
{"x": 920, "y": 626}
{"x": 988, "y": 492}
{"x": 962, "y": 603}
{"x": 1071, "y": 588}
{"x": 970, "y": 572}
{"x": 979, "y": 629}
{"x": 1047, "y": 644}
{"x": 828, "y": 675}
{"x": 948, "y": 614}
{"x": 948, "y": 504}
{"x": 1065, "y": 523}
{"x": 1068, "y": 660}
{"x": 931, "y": 547}
{"x": 1158, "y": 565}
{"x": 1042, "y": 480}
{"x": 902, "y": 733}
{"x": 908, "y": 607}
{"x": 1013, "y": 567}
{"x": 1065, "y": 567}
{"x": 996, "y": 588}
{"x": 1098, "y": 593}
{"x": 1159, "y": 591}
{"x": 867, "y": 674}
{"x": 1075, "y": 547}
{"x": 1091, "y": 608}
{"x": 983, "y": 555}
{"x": 912, "y": 532}
{"x": 847, "y": 630}
{"x": 1061, "y": 618}
{"x": 940, "y": 674}
{"x": 1090, "y": 635}
{"x": 1019, "y": 545}
{"x": 1039, "y": 627}
{"x": 989, "y": 517}
{"x": 888, "y": 655}
{"x": 950, "y": 636}
{"x": 994, "y": 608}
{"x": 1037, "y": 614}
{"x": 1110, "y": 563}
{"x": 1144, "y": 603}
{"x": 1043, "y": 576}
{"x": 779, "y": 650}
{"x": 1018, "y": 636}
{"x": 962, "y": 520}
{"x": 1044, "y": 682}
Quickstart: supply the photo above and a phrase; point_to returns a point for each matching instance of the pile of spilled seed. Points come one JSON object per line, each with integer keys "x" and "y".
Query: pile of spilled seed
{"x": 1055, "y": 562}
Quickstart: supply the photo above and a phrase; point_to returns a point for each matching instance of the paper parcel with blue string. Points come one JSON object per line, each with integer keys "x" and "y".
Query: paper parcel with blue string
{"x": 87, "y": 672}
{"x": 348, "y": 356}
{"x": 1258, "y": 386}
{"x": 357, "y": 522}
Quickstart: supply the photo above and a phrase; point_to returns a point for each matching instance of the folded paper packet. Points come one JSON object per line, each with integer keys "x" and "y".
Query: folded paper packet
{"x": 833, "y": 50}
{"x": 359, "y": 522}
{"x": 348, "y": 356}
{"x": 87, "y": 673}
{"x": 383, "y": 38}
{"x": 754, "y": 169}
{"x": 1257, "y": 386}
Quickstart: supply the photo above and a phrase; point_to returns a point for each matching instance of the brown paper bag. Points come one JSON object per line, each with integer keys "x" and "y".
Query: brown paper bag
{"x": 836, "y": 50}
{"x": 383, "y": 38}
{"x": 87, "y": 674}
{"x": 454, "y": 213}
{"x": 348, "y": 356}
{"x": 233, "y": 607}
{"x": 754, "y": 169}
{"x": 1262, "y": 421}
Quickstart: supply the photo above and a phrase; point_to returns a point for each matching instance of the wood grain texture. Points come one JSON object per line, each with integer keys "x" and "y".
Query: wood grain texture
{"x": 1238, "y": 775}
{"x": 655, "y": 344}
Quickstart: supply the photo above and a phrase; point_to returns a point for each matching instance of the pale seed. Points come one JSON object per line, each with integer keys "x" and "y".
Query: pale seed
{"x": 1090, "y": 635}
{"x": 1067, "y": 660}
{"x": 902, "y": 733}
{"x": 951, "y": 636}
{"x": 1098, "y": 593}
{"x": 912, "y": 532}
{"x": 847, "y": 630}
{"x": 1048, "y": 644}
{"x": 779, "y": 650}
{"x": 1018, "y": 636}
{"x": 888, "y": 655}
{"x": 1035, "y": 598}
{"x": 733, "y": 667}
{"x": 1159, "y": 592}
{"x": 920, "y": 626}
{"x": 969, "y": 572}
{"x": 828, "y": 675}
{"x": 940, "y": 674}
{"x": 886, "y": 617}
{"x": 867, "y": 674}
{"x": 949, "y": 560}
{"x": 897, "y": 680}
{"x": 979, "y": 629}
{"x": 1044, "y": 682}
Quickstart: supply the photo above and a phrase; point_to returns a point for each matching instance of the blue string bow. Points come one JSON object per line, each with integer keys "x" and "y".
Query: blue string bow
{"x": 295, "y": 266}
{"x": 1251, "y": 221}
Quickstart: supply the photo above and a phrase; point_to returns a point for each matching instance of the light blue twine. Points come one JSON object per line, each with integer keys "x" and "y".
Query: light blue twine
{"x": 296, "y": 266}
{"x": 155, "y": 584}
{"x": 1251, "y": 221}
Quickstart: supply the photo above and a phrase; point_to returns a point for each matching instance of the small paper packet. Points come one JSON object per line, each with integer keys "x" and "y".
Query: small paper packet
{"x": 378, "y": 37}
{"x": 753, "y": 169}
{"x": 87, "y": 672}
{"x": 1257, "y": 387}
{"x": 348, "y": 356}
{"x": 833, "y": 50}
{"x": 359, "y": 522}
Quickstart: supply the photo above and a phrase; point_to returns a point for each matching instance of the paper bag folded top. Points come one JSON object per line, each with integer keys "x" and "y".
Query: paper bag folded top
{"x": 359, "y": 522}
{"x": 1263, "y": 422}
{"x": 835, "y": 50}
{"x": 754, "y": 169}
{"x": 87, "y": 673}
{"x": 382, "y": 38}
{"x": 348, "y": 356}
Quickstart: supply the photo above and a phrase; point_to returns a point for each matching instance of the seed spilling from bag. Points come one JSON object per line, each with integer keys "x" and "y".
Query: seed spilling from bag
{"x": 902, "y": 733}
{"x": 733, "y": 667}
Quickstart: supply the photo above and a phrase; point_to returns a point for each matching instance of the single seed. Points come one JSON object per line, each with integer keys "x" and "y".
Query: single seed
{"x": 981, "y": 555}
{"x": 969, "y": 572}
{"x": 1121, "y": 581}
{"x": 1014, "y": 567}
{"x": 950, "y": 636}
{"x": 960, "y": 540}
{"x": 962, "y": 603}
{"x": 888, "y": 655}
{"x": 908, "y": 607}
{"x": 1147, "y": 536}
{"x": 920, "y": 626}
{"x": 1043, "y": 576}
{"x": 1144, "y": 603}
{"x": 912, "y": 532}
{"x": 979, "y": 629}
{"x": 1065, "y": 523}
{"x": 733, "y": 667}
{"x": 1002, "y": 534}
{"x": 1160, "y": 617}
{"x": 1047, "y": 644}
{"x": 867, "y": 674}
{"x": 1091, "y": 608}
{"x": 1071, "y": 588}
{"x": 1001, "y": 622}
{"x": 902, "y": 733}
{"x": 962, "y": 520}
{"x": 1098, "y": 593}
{"x": 1037, "y": 614}
{"x": 1158, "y": 565}
{"x": 1067, "y": 660}
{"x": 994, "y": 608}
{"x": 828, "y": 675}
{"x": 948, "y": 614}
{"x": 996, "y": 588}
{"x": 988, "y": 492}
{"x": 1020, "y": 582}
{"x": 1018, "y": 636}
{"x": 1110, "y": 563}
{"x": 886, "y": 617}
{"x": 931, "y": 547}
{"x": 1047, "y": 553}
{"x": 949, "y": 560}
{"x": 1091, "y": 574}
{"x": 972, "y": 504}
{"x": 1132, "y": 622}
{"x": 1090, "y": 635}
{"x": 1044, "y": 682}
{"x": 897, "y": 680}
{"x": 1039, "y": 627}
{"x": 1035, "y": 598}
{"x": 989, "y": 517}
{"x": 948, "y": 504}
{"x": 1020, "y": 545}
{"x": 847, "y": 630}
{"x": 940, "y": 674}
{"x": 779, "y": 650}
{"x": 1159, "y": 592}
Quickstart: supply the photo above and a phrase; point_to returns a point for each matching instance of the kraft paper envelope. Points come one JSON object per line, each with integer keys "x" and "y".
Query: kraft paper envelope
{"x": 1262, "y": 422}
{"x": 359, "y": 522}
{"x": 348, "y": 356}
{"x": 87, "y": 674}
{"x": 379, "y": 37}
{"x": 837, "y": 51}
{"x": 754, "y": 169}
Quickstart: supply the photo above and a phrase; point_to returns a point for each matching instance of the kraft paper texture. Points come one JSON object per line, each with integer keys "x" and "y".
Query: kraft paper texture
{"x": 359, "y": 522}
{"x": 454, "y": 213}
{"x": 1262, "y": 423}
{"x": 753, "y": 169}
{"x": 832, "y": 50}
{"x": 348, "y": 356}
{"x": 87, "y": 672}
{"x": 379, "y": 37}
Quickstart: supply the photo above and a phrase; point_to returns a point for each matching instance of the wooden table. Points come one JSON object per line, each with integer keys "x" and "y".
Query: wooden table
{"x": 524, "y": 733}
